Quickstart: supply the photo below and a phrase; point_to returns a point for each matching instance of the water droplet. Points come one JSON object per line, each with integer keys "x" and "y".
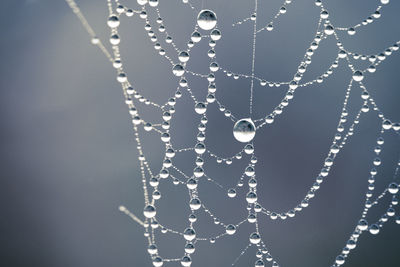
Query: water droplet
{"x": 393, "y": 188}
{"x": 259, "y": 263}
{"x": 362, "y": 225}
{"x": 183, "y": 56}
{"x": 230, "y": 229}
{"x": 255, "y": 238}
{"x": 215, "y": 35}
{"x": 339, "y": 260}
{"x": 142, "y": 2}
{"x": 244, "y": 130}
{"x": 329, "y": 30}
{"x": 251, "y": 197}
{"x": 206, "y": 19}
{"x": 189, "y": 234}
{"x": 195, "y": 204}
{"x": 231, "y": 193}
{"x": 152, "y": 249}
{"x": 358, "y": 76}
{"x": 186, "y": 261}
{"x": 149, "y": 211}
{"x": 249, "y": 171}
{"x": 251, "y": 218}
{"x": 153, "y": 3}
{"x": 189, "y": 248}
{"x": 95, "y": 40}
{"x": 374, "y": 229}
{"x": 114, "y": 39}
{"x": 351, "y": 31}
{"x": 113, "y": 21}
{"x": 191, "y": 184}
{"x": 158, "y": 262}
{"x": 387, "y": 124}
{"x": 351, "y": 244}
{"x": 200, "y": 148}
{"x": 324, "y": 14}
{"x": 196, "y": 37}
{"x": 200, "y": 108}
{"x": 198, "y": 172}
{"x": 178, "y": 70}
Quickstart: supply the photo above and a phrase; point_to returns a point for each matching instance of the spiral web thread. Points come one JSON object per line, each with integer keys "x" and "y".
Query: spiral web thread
{"x": 159, "y": 36}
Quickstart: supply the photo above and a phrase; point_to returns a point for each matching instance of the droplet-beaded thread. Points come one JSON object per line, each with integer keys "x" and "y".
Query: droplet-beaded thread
{"x": 243, "y": 129}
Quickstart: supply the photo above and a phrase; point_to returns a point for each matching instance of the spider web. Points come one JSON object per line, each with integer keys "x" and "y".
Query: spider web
{"x": 171, "y": 171}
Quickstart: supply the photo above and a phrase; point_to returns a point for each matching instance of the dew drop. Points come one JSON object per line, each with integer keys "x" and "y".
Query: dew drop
{"x": 149, "y": 211}
{"x": 158, "y": 262}
{"x": 215, "y": 35}
{"x": 195, "y": 204}
{"x": 251, "y": 197}
{"x": 206, "y": 19}
{"x": 178, "y": 70}
{"x": 152, "y": 249}
{"x": 113, "y": 21}
{"x": 230, "y": 229}
{"x": 183, "y": 56}
{"x": 339, "y": 260}
{"x": 393, "y": 188}
{"x": 362, "y": 225}
{"x": 358, "y": 76}
{"x": 244, "y": 130}
{"x": 259, "y": 263}
{"x": 329, "y": 30}
{"x": 186, "y": 261}
{"x": 374, "y": 229}
{"x": 231, "y": 193}
{"x": 255, "y": 238}
{"x": 189, "y": 234}
{"x": 200, "y": 108}
{"x": 189, "y": 248}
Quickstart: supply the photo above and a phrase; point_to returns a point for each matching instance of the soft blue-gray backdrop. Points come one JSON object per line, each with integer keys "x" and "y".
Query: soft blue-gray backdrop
{"x": 69, "y": 160}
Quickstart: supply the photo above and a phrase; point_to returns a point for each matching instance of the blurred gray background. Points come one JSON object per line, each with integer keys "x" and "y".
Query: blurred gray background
{"x": 69, "y": 159}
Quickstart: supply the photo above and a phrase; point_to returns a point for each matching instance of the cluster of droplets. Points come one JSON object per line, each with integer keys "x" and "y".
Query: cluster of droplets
{"x": 244, "y": 130}
{"x": 363, "y": 226}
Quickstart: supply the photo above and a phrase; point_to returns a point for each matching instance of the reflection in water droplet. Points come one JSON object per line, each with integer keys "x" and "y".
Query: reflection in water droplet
{"x": 206, "y": 19}
{"x": 244, "y": 130}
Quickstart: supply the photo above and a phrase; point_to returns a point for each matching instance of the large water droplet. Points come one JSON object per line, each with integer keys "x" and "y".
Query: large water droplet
{"x": 206, "y": 19}
{"x": 358, "y": 76}
{"x": 251, "y": 197}
{"x": 189, "y": 234}
{"x": 255, "y": 238}
{"x": 113, "y": 21}
{"x": 200, "y": 108}
{"x": 149, "y": 211}
{"x": 244, "y": 130}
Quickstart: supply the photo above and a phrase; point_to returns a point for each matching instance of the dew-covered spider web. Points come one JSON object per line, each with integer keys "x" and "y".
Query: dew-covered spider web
{"x": 245, "y": 128}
